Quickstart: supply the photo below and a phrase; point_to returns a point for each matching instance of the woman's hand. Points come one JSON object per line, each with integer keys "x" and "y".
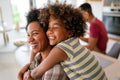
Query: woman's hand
{"x": 22, "y": 71}
{"x": 27, "y": 76}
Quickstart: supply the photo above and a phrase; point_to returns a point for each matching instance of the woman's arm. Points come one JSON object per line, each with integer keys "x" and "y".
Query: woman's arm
{"x": 55, "y": 56}
{"x": 22, "y": 71}
{"x": 27, "y": 76}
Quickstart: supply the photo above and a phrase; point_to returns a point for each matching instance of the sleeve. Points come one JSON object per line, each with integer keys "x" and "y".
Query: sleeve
{"x": 55, "y": 73}
{"x": 94, "y": 30}
{"x": 67, "y": 48}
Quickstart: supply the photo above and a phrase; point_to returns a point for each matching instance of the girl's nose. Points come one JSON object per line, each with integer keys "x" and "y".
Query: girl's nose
{"x": 50, "y": 30}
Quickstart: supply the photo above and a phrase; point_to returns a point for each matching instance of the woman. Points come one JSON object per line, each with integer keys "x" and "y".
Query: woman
{"x": 40, "y": 50}
{"x": 66, "y": 25}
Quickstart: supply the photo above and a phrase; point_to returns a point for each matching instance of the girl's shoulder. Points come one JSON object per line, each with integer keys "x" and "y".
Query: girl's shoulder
{"x": 71, "y": 41}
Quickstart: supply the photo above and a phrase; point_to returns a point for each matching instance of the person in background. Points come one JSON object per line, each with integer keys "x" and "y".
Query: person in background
{"x": 97, "y": 34}
{"x": 40, "y": 50}
{"x": 66, "y": 25}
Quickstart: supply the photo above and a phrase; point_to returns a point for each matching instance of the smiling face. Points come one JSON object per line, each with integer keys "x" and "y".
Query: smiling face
{"x": 56, "y": 31}
{"x": 36, "y": 37}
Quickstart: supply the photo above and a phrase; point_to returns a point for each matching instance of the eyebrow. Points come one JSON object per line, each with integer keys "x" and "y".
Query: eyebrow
{"x": 33, "y": 31}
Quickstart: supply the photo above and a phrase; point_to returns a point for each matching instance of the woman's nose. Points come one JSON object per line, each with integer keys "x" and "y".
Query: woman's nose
{"x": 30, "y": 39}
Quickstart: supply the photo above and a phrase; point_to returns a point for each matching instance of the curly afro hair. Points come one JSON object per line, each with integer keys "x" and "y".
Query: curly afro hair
{"x": 33, "y": 15}
{"x": 67, "y": 14}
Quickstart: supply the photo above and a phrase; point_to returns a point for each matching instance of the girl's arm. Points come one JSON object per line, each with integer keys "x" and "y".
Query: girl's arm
{"x": 55, "y": 56}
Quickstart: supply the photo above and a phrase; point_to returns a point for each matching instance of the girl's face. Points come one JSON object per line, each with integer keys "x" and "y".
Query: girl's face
{"x": 36, "y": 37}
{"x": 56, "y": 31}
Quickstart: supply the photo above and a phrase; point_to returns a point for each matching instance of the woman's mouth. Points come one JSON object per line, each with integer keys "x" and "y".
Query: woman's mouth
{"x": 34, "y": 46}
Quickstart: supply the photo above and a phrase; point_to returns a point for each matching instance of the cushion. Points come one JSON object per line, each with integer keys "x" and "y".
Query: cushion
{"x": 115, "y": 50}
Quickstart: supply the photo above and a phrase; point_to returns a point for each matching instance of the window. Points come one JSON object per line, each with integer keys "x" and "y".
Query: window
{"x": 19, "y": 10}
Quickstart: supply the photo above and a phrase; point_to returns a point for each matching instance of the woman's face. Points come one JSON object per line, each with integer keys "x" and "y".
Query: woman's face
{"x": 56, "y": 31}
{"x": 36, "y": 37}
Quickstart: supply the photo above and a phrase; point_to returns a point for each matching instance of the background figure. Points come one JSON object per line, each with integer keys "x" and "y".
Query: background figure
{"x": 66, "y": 25}
{"x": 40, "y": 50}
{"x": 97, "y": 34}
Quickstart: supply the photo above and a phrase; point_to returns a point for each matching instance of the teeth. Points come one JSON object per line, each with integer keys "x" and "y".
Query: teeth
{"x": 33, "y": 45}
{"x": 51, "y": 37}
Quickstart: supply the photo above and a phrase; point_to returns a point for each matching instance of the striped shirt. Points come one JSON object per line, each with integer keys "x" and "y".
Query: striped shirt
{"x": 55, "y": 73}
{"x": 81, "y": 64}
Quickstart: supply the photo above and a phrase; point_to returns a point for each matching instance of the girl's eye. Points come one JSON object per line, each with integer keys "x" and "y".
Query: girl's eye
{"x": 55, "y": 27}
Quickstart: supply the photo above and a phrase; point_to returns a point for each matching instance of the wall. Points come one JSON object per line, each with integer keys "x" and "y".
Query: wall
{"x": 97, "y": 7}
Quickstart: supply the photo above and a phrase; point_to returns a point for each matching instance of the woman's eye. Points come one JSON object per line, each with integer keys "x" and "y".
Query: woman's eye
{"x": 35, "y": 33}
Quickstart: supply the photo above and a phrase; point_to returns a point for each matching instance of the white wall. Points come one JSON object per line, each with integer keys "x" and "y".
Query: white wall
{"x": 97, "y": 7}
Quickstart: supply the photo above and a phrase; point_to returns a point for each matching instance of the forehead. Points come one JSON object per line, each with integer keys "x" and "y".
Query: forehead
{"x": 34, "y": 26}
{"x": 54, "y": 19}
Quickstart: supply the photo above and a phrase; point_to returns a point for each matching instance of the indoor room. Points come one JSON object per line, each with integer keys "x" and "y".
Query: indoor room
{"x": 15, "y": 50}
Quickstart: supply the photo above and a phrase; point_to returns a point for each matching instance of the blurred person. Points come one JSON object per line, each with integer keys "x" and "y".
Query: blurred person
{"x": 66, "y": 25}
{"x": 40, "y": 50}
{"x": 98, "y": 38}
